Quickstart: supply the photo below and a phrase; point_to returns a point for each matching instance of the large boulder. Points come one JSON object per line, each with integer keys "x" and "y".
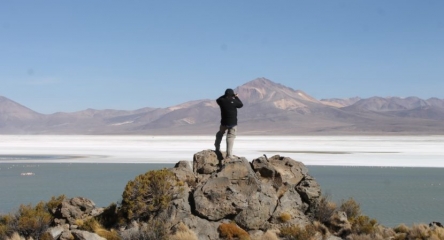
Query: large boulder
{"x": 280, "y": 170}
{"x": 291, "y": 209}
{"x": 206, "y": 162}
{"x": 75, "y": 208}
{"x": 227, "y": 193}
{"x": 56, "y": 231}
{"x": 259, "y": 209}
{"x": 255, "y": 195}
{"x": 204, "y": 229}
{"x": 340, "y": 224}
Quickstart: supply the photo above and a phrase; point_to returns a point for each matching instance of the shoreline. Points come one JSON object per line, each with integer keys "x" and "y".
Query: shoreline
{"x": 370, "y": 151}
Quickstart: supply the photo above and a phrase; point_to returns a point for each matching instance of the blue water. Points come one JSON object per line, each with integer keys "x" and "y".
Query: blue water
{"x": 390, "y": 195}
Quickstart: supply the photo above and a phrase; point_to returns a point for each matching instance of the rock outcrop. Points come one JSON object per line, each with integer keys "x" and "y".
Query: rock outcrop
{"x": 259, "y": 196}
{"x": 254, "y": 195}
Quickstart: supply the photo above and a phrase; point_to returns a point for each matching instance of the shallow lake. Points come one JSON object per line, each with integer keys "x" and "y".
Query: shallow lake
{"x": 410, "y": 191}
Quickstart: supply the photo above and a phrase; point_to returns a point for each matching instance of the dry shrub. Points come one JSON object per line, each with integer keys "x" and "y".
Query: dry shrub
{"x": 381, "y": 234}
{"x": 324, "y": 209}
{"x": 285, "y": 217}
{"x": 400, "y": 236}
{"x": 296, "y": 232}
{"x": 386, "y": 233}
{"x": 402, "y": 228}
{"x": 359, "y": 237}
{"x": 92, "y": 225}
{"x": 351, "y": 208}
{"x": 231, "y": 230}
{"x": 321, "y": 228}
{"x": 270, "y": 235}
{"x": 15, "y": 236}
{"x": 46, "y": 236}
{"x": 109, "y": 235}
{"x": 364, "y": 225}
{"x": 420, "y": 232}
{"x": 437, "y": 233}
{"x": 152, "y": 230}
{"x": 147, "y": 194}
{"x": 183, "y": 233}
{"x": 89, "y": 225}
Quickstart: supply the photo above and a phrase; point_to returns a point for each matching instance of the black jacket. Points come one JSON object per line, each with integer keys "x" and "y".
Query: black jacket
{"x": 228, "y": 110}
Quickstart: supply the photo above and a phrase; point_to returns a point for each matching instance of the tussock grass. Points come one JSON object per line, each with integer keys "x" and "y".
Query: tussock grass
{"x": 297, "y": 232}
{"x": 285, "y": 217}
{"x": 183, "y": 233}
{"x": 92, "y": 225}
{"x": 420, "y": 232}
{"x": 231, "y": 231}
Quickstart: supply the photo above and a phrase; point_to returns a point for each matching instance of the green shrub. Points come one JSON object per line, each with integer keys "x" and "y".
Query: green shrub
{"x": 54, "y": 203}
{"x": 231, "y": 231}
{"x": 296, "y": 232}
{"x": 33, "y": 221}
{"x": 29, "y": 221}
{"x": 351, "y": 208}
{"x": 6, "y": 228}
{"x": 147, "y": 194}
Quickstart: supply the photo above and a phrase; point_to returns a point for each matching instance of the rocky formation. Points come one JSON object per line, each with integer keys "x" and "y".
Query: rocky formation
{"x": 68, "y": 214}
{"x": 254, "y": 195}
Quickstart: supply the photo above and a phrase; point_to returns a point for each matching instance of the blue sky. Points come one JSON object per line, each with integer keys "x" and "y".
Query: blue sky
{"x": 72, "y": 55}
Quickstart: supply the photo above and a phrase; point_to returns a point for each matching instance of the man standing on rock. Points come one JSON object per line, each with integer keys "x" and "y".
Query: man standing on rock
{"x": 228, "y": 103}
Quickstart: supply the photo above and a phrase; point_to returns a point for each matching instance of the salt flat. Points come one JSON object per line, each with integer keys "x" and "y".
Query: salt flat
{"x": 396, "y": 151}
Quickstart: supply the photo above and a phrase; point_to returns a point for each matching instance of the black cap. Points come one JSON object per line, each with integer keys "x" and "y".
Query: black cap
{"x": 229, "y": 92}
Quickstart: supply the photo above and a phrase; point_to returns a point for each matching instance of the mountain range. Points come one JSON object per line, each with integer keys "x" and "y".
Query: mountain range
{"x": 269, "y": 109}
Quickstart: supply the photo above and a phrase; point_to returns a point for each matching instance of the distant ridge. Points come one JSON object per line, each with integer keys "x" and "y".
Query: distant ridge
{"x": 269, "y": 109}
